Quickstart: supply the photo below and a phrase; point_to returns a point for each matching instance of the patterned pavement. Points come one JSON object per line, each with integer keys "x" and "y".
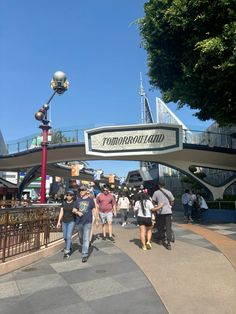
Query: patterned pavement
{"x": 228, "y": 229}
{"x": 110, "y": 282}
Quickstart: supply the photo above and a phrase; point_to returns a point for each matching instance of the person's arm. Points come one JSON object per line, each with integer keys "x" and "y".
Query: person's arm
{"x": 114, "y": 206}
{"x": 60, "y": 217}
{"x": 128, "y": 204}
{"x": 157, "y": 207}
{"x": 97, "y": 203}
{"x": 95, "y": 211}
{"x": 114, "y": 210}
{"x": 154, "y": 199}
{"x": 76, "y": 211}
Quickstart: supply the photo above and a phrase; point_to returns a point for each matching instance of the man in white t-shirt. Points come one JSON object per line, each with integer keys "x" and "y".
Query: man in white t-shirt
{"x": 123, "y": 205}
{"x": 164, "y": 196}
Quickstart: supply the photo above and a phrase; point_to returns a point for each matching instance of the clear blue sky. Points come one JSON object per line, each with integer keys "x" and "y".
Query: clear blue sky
{"x": 96, "y": 44}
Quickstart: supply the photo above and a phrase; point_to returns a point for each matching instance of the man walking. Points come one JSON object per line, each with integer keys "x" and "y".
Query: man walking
{"x": 164, "y": 196}
{"x": 106, "y": 206}
{"x": 84, "y": 208}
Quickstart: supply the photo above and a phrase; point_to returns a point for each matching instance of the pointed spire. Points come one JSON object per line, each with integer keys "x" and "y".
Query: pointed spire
{"x": 141, "y": 89}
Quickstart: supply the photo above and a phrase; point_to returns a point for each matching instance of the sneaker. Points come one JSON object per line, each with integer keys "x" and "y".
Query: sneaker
{"x": 148, "y": 245}
{"x": 168, "y": 246}
{"x": 84, "y": 259}
{"x": 104, "y": 238}
{"x": 111, "y": 239}
{"x": 66, "y": 255}
{"x": 144, "y": 248}
{"x": 123, "y": 224}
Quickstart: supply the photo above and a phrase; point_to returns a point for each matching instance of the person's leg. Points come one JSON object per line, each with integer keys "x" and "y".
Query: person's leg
{"x": 80, "y": 233}
{"x": 149, "y": 233}
{"x": 109, "y": 221}
{"x": 168, "y": 227}
{"x": 110, "y": 228}
{"x": 86, "y": 234}
{"x": 64, "y": 230}
{"x": 149, "y": 236}
{"x": 190, "y": 213}
{"x": 103, "y": 220}
{"x": 122, "y": 216}
{"x": 142, "y": 229}
{"x": 125, "y": 215}
{"x": 91, "y": 232}
{"x": 158, "y": 228}
{"x": 70, "y": 228}
{"x": 162, "y": 227}
{"x": 104, "y": 230}
{"x": 185, "y": 211}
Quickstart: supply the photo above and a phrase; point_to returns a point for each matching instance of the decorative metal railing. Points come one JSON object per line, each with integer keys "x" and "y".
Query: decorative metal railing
{"x": 25, "y": 230}
{"x": 57, "y": 136}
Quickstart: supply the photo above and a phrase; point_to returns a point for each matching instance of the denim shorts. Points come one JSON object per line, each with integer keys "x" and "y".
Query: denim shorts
{"x": 106, "y": 217}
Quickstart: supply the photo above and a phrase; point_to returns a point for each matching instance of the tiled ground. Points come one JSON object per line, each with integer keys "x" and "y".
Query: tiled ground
{"x": 228, "y": 229}
{"x": 110, "y": 282}
{"x": 187, "y": 236}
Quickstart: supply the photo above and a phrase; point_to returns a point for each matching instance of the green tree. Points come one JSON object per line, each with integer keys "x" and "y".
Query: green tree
{"x": 191, "y": 47}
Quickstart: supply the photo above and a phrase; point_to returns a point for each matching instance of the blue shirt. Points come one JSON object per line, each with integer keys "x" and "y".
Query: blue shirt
{"x": 84, "y": 205}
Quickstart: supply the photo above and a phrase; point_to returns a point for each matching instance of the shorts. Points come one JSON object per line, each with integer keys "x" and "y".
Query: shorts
{"x": 144, "y": 221}
{"x": 106, "y": 217}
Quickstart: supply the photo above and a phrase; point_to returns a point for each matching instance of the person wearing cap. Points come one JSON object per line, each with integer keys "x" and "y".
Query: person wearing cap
{"x": 106, "y": 206}
{"x": 84, "y": 208}
{"x": 67, "y": 220}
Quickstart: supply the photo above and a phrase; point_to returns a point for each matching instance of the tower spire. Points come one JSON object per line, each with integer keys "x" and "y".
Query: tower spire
{"x": 142, "y": 94}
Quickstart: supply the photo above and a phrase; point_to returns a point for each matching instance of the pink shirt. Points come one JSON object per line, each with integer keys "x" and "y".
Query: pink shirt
{"x": 105, "y": 202}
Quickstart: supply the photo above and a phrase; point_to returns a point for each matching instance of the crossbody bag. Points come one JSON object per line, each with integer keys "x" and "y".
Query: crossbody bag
{"x": 167, "y": 196}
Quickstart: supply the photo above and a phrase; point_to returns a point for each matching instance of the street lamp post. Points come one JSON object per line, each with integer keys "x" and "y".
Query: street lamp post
{"x": 59, "y": 84}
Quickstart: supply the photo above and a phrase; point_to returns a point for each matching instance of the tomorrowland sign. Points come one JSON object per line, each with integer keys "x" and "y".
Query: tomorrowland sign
{"x": 133, "y": 140}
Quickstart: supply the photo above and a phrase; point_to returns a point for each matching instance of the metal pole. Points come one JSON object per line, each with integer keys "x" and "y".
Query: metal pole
{"x": 44, "y": 144}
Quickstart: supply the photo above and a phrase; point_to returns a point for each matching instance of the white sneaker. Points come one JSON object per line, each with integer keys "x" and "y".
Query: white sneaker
{"x": 123, "y": 224}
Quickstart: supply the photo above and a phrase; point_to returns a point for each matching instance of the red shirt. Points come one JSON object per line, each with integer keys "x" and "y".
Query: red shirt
{"x": 105, "y": 202}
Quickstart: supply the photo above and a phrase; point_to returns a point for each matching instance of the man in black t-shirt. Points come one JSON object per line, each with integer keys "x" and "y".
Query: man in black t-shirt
{"x": 84, "y": 208}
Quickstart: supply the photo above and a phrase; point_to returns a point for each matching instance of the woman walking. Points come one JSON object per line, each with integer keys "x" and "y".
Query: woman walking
{"x": 67, "y": 220}
{"x": 144, "y": 218}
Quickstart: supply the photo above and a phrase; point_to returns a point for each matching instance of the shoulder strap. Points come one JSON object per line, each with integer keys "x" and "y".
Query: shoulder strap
{"x": 166, "y": 195}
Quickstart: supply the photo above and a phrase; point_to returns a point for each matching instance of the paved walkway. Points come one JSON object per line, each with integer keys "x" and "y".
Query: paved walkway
{"x": 195, "y": 277}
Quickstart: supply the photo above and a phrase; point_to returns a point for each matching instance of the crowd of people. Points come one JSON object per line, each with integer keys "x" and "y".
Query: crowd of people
{"x": 194, "y": 205}
{"x": 82, "y": 210}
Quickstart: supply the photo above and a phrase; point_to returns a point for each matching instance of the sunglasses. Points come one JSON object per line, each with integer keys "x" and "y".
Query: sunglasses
{"x": 82, "y": 190}
{"x": 69, "y": 195}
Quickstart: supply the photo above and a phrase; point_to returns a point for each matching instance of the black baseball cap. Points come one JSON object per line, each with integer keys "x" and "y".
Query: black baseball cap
{"x": 70, "y": 192}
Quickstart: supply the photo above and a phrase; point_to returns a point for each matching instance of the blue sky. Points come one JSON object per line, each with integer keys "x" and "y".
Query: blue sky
{"x": 97, "y": 45}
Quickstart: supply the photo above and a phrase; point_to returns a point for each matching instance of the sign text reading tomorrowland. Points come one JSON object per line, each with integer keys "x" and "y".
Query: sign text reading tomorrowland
{"x": 133, "y": 140}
